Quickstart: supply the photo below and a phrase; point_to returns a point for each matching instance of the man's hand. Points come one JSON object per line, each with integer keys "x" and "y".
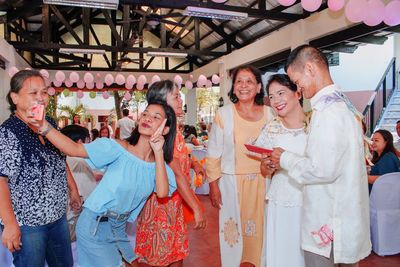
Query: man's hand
{"x": 75, "y": 201}
{"x": 199, "y": 219}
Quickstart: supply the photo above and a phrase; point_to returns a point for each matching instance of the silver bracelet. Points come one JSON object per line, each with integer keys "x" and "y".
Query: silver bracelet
{"x": 45, "y": 131}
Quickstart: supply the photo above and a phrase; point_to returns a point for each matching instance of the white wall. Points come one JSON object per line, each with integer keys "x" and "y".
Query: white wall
{"x": 363, "y": 69}
{"x": 10, "y": 56}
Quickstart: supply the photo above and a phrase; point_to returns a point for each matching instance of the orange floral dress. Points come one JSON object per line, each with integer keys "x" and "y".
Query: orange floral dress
{"x": 162, "y": 236}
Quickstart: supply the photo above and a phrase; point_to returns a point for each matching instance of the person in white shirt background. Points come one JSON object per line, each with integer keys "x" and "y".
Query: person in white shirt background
{"x": 397, "y": 141}
{"x": 125, "y": 126}
{"x": 335, "y": 219}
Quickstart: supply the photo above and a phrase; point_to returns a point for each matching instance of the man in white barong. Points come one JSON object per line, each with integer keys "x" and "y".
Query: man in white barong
{"x": 335, "y": 224}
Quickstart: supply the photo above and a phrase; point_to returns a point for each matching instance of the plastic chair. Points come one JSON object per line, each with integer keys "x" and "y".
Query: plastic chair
{"x": 385, "y": 214}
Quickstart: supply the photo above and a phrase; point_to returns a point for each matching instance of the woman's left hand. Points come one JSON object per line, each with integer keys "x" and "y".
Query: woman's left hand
{"x": 75, "y": 201}
{"x": 157, "y": 139}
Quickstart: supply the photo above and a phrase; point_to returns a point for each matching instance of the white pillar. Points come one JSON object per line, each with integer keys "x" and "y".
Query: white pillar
{"x": 191, "y": 104}
{"x": 225, "y": 83}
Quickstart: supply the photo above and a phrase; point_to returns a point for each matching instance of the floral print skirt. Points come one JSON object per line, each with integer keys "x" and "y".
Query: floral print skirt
{"x": 162, "y": 236}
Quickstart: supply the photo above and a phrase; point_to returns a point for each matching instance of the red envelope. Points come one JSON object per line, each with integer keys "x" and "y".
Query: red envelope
{"x": 37, "y": 112}
{"x": 257, "y": 149}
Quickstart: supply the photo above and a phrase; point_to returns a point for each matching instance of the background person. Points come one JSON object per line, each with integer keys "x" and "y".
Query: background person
{"x": 125, "y": 126}
{"x": 383, "y": 156}
{"x": 237, "y": 187}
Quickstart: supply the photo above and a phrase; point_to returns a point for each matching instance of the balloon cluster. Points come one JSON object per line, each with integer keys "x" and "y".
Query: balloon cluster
{"x": 371, "y": 12}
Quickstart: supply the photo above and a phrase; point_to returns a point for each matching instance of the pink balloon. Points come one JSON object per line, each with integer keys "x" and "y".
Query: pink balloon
{"x": 208, "y": 84}
{"x": 98, "y": 77}
{"x": 215, "y": 79}
{"x": 60, "y": 76}
{"x": 201, "y": 81}
{"x": 188, "y": 85}
{"x": 74, "y": 77}
{"x": 191, "y": 77}
{"x": 356, "y": 10}
{"x": 286, "y": 2}
{"x": 375, "y": 12}
{"x": 51, "y": 91}
{"x": 109, "y": 79}
{"x": 392, "y": 13}
{"x": 12, "y": 71}
{"x": 47, "y": 81}
{"x": 155, "y": 79}
{"x": 79, "y": 94}
{"x": 219, "y": 1}
{"x": 90, "y": 85}
{"x": 105, "y": 95}
{"x": 127, "y": 96}
{"x": 131, "y": 79}
{"x": 99, "y": 85}
{"x": 142, "y": 79}
{"x": 88, "y": 77}
{"x": 311, "y": 5}
{"x": 335, "y": 5}
{"x": 68, "y": 83}
{"x": 80, "y": 84}
{"x": 44, "y": 73}
{"x": 119, "y": 79}
{"x": 178, "y": 79}
{"x": 57, "y": 83}
{"x": 139, "y": 86}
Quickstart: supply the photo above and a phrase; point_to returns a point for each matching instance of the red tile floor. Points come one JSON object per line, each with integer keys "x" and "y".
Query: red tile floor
{"x": 204, "y": 245}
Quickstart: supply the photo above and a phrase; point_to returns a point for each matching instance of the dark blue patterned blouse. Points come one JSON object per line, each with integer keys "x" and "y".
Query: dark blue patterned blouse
{"x": 36, "y": 174}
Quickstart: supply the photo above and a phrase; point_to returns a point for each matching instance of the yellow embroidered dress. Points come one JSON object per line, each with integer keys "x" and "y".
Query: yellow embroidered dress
{"x": 241, "y": 218}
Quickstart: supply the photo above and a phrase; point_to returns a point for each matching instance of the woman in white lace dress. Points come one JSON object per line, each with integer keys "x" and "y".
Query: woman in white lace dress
{"x": 287, "y": 130}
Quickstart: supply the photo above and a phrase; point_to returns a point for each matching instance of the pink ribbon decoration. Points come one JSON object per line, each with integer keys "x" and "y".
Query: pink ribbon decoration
{"x": 324, "y": 236}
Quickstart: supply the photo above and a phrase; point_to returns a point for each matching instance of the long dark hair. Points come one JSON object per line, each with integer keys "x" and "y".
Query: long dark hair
{"x": 283, "y": 80}
{"x": 259, "y": 98}
{"x": 168, "y": 147}
{"x": 388, "y": 137}
{"x": 16, "y": 83}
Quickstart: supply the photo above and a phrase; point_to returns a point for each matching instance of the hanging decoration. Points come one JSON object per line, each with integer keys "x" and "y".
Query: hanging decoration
{"x": 51, "y": 91}
{"x": 90, "y": 86}
{"x": 44, "y": 73}
{"x": 370, "y": 12}
{"x": 79, "y": 94}
{"x": 88, "y": 77}
{"x": 99, "y": 85}
{"x": 68, "y": 83}
{"x": 109, "y": 79}
{"x": 74, "y": 77}
{"x": 66, "y": 92}
{"x": 201, "y": 81}
{"x": 127, "y": 96}
{"x": 80, "y": 84}
{"x": 120, "y": 79}
{"x": 188, "y": 85}
{"x": 215, "y": 79}
{"x": 92, "y": 94}
{"x": 60, "y": 76}
{"x": 184, "y": 90}
{"x": 12, "y": 71}
{"x": 105, "y": 95}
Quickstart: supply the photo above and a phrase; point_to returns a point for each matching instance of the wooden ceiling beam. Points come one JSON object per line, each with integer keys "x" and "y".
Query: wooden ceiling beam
{"x": 65, "y": 23}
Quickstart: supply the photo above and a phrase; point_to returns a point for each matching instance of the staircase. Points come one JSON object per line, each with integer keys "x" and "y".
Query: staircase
{"x": 383, "y": 109}
{"x": 391, "y": 114}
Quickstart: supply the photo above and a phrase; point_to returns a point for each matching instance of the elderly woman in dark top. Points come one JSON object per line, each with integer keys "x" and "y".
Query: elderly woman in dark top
{"x": 33, "y": 182}
{"x": 383, "y": 156}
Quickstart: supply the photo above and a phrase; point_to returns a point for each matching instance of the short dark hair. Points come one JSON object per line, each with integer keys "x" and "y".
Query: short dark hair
{"x": 283, "y": 80}
{"x": 16, "y": 83}
{"x": 168, "y": 147}
{"x": 95, "y": 134}
{"x": 388, "y": 137}
{"x": 398, "y": 122}
{"x": 158, "y": 91}
{"x": 259, "y": 99}
{"x": 75, "y": 132}
{"x": 125, "y": 112}
{"x": 302, "y": 53}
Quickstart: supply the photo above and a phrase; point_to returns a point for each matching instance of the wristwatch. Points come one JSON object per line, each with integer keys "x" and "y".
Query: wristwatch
{"x": 44, "y": 132}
